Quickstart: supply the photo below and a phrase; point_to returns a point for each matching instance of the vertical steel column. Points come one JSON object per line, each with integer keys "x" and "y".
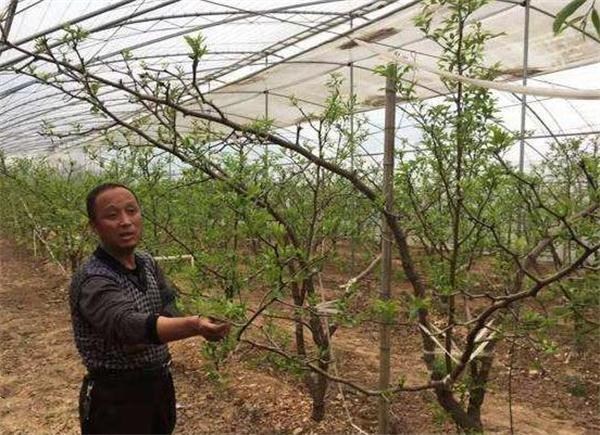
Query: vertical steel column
{"x": 353, "y": 239}
{"x": 267, "y": 105}
{"x": 520, "y": 218}
{"x": 386, "y": 247}
{"x": 266, "y": 92}
{"x": 525, "y": 76}
{"x": 520, "y": 222}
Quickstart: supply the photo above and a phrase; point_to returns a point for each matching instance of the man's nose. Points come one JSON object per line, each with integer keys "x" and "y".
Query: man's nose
{"x": 125, "y": 219}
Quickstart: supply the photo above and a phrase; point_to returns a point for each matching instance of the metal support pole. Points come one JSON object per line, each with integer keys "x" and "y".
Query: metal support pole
{"x": 34, "y": 243}
{"x": 386, "y": 248}
{"x": 267, "y": 107}
{"x": 520, "y": 222}
{"x": 266, "y": 92}
{"x": 524, "y": 97}
{"x": 521, "y": 217}
{"x": 352, "y": 152}
{"x": 266, "y": 104}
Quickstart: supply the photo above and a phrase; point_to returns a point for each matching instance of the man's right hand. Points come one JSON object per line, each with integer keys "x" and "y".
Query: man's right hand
{"x": 213, "y": 330}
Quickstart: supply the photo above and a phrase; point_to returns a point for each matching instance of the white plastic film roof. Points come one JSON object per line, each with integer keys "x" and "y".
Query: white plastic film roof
{"x": 261, "y": 53}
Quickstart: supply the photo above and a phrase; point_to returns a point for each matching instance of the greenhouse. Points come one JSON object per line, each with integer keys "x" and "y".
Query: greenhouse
{"x": 379, "y": 216}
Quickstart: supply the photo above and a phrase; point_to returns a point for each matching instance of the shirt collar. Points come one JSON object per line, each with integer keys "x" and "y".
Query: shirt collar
{"x": 101, "y": 254}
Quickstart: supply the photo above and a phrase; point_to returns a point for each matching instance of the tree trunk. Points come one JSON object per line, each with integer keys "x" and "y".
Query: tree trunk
{"x": 479, "y": 377}
{"x": 298, "y": 326}
{"x": 466, "y": 422}
{"x": 318, "y": 395}
{"x": 317, "y": 383}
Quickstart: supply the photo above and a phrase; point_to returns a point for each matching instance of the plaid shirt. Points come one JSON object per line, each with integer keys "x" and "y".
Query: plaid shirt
{"x": 114, "y": 316}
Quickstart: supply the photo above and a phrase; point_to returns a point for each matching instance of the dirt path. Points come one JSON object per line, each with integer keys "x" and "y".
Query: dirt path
{"x": 40, "y": 370}
{"x": 40, "y": 373}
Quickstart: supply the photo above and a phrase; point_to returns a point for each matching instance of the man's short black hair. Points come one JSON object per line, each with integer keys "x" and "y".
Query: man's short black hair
{"x": 90, "y": 201}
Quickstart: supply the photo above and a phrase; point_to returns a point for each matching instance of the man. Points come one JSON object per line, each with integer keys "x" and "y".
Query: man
{"x": 123, "y": 314}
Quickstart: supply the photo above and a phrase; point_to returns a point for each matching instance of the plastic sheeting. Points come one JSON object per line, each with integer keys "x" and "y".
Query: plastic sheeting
{"x": 305, "y": 76}
{"x": 259, "y": 59}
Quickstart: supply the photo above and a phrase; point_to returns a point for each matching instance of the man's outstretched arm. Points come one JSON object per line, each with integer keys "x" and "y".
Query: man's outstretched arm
{"x": 104, "y": 305}
{"x": 171, "y": 329}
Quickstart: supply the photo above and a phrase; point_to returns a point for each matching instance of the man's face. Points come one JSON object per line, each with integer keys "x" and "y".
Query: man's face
{"x": 118, "y": 220}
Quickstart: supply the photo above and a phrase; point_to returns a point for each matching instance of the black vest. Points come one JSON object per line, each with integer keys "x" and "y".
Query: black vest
{"x": 97, "y": 352}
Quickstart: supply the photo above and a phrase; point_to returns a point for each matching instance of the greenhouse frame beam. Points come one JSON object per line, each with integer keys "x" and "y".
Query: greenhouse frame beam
{"x": 185, "y": 54}
{"x": 31, "y": 119}
{"x": 303, "y": 35}
{"x": 294, "y": 39}
{"x": 573, "y": 134}
{"x": 212, "y": 14}
{"x": 32, "y": 5}
{"x": 527, "y": 107}
{"x": 105, "y": 26}
{"x": 208, "y": 25}
{"x": 67, "y": 23}
{"x": 551, "y": 15}
{"x": 23, "y": 86}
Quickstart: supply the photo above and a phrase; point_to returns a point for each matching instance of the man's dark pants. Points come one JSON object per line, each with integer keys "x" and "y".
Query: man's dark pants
{"x": 126, "y": 405}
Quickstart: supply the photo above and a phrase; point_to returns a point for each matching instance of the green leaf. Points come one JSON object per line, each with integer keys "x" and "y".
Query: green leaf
{"x": 386, "y": 310}
{"x": 127, "y": 54}
{"x": 417, "y": 304}
{"x": 197, "y": 44}
{"x": 94, "y": 86}
{"x": 596, "y": 21}
{"x": 565, "y": 13}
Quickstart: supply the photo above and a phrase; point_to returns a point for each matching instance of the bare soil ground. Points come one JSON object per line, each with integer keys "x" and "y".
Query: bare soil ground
{"x": 40, "y": 374}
